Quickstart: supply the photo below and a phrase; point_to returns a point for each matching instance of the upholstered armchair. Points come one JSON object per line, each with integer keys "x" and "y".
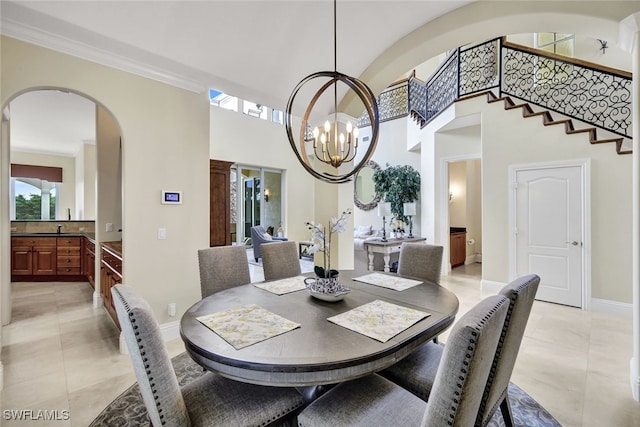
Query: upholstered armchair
{"x": 259, "y": 236}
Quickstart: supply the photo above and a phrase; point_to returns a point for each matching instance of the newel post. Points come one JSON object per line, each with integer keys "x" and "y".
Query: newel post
{"x": 629, "y": 41}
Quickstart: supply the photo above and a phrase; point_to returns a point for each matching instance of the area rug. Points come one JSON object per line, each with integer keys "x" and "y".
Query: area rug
{"x": 128, "y": 409}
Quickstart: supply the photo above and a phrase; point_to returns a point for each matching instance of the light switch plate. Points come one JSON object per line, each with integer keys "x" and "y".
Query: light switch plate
{"x": 162, "y": 233}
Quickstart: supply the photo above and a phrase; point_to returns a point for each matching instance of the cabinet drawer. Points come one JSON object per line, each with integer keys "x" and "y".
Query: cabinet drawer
{"x": 64, "y": 250}
{"x": 33, "y": 241}
{"x": 69, "y": 271}
{"x": 69, "y": 242}
{"x": 68, "y": 261}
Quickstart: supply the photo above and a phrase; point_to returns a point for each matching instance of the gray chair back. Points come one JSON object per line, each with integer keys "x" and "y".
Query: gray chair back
{"x": 420, "y": 261}
{"x": 280, "y": 260}
{"x": 151, "y": 362}
{"x": 465, "y": 365}
{"x": 222, "y": 267}
{"x": 521, "y": 293}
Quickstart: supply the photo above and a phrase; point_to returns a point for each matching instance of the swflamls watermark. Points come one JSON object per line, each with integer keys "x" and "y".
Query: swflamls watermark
{"x": 36, "y": 414}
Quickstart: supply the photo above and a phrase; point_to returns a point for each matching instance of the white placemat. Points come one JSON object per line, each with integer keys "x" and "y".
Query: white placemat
{"x": 396, "y": 283}
{"x": 379, "y": 320}
{"x": 283, "y": 286}
{"x": 247, "y": 325}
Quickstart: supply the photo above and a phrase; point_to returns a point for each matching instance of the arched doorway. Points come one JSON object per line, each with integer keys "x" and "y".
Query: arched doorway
{"x": 55, "y": 126}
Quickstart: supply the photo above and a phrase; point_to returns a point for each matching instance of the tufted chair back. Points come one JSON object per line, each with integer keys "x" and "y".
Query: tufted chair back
{"x": 222, "y": 267}
{"x": 420, "y": 261}
{"x": 280, "y": 260}
{"x": 464, "y": 368}
{"x": 151, "y": 362}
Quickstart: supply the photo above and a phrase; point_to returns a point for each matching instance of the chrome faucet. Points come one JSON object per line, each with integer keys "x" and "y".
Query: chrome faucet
{"x": 59, "y": 228}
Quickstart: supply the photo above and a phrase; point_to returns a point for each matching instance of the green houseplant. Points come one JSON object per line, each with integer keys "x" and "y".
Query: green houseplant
{"x": 398, "y": 184}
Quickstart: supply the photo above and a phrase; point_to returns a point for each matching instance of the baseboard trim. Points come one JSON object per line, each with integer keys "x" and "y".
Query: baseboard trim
{"x": 490, "y": 286}
{"x": 634, "y": 380}
{"x": 97, "y": 300}
{"x": 170, "y": 331}
{"x": 614, "y": 308}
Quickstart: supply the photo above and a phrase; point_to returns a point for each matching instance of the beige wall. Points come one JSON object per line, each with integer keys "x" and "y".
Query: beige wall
{"x": 165, "y": 146}
{"x": 507, "y": 139}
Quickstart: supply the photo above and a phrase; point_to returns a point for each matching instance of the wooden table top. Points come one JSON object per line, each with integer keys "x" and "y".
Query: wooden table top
{"x": 319, "y": 352}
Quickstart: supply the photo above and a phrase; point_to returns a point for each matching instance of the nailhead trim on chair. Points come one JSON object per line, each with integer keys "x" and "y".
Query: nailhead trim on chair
{"x": 143, "y": 354}
{"x": 463, "y": 372}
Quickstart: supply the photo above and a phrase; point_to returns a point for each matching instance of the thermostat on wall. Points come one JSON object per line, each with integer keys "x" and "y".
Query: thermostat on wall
{"x": 171, "y": 197}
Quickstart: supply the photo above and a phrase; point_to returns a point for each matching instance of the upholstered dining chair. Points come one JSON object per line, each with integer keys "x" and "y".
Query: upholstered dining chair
{"x": 417, "y": 372}
{"x": 375, "y": 401}
{"x": 280, "y": 260}
{"x": 259, "y": 237}
{"x": 421, "y": 261}
{"x": 222, "y": 267}
{"x": 210, "y": 400}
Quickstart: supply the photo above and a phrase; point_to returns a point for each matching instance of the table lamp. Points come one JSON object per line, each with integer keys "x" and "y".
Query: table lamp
{"x": 384, "y": 210}
{"x": 410, "y": 211}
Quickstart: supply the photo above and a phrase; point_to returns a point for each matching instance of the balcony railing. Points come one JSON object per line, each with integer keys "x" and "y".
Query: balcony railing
{"x": 597, "y": 95}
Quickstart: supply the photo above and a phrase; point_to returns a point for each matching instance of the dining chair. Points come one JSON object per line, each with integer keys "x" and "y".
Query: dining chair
{"x": 210, "y": 400}
{"x": 222, "y": 267}
{"x": 417, "y": 371}
{"x": 421, "y": 261}
{"x": 457, "y": 390}
{"x": 280, "y": 260}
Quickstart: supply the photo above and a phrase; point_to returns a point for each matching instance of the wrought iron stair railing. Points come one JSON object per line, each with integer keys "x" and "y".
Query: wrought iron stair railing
{"x": 594, "y": 94}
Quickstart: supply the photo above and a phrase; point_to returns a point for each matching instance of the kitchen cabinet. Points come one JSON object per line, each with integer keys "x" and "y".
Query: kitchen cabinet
{"x": 69, "y": 254}
{"x": 110, "y": 274}
{"x": 219, "y": 203}
{"x": 89, "y": 267}
{"x": 457, "y": 247}
{"x": 33, "y": 256}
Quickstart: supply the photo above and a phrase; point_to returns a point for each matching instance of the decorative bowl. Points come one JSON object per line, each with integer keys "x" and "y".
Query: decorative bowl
{"x": 339, "y": 295}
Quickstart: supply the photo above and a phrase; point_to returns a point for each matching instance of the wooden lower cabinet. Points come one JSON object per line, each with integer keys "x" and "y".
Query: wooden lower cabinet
{"x": 110, "y": 274}
{"x": 89, "y": 266}
{"x": 33, "y": 256}
{"x": 69, "y": 256}
{"x": 458, "y": 248}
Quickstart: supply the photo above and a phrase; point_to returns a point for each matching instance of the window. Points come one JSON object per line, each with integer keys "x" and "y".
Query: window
{"x": 33, "y": 199}
{"x": 222, "y": 100}
{"x": 561, "y": 44}
{"x": 254, "y": 110}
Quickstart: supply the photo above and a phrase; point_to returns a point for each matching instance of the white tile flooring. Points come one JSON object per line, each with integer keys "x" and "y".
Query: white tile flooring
{"x": 60, "y": 354}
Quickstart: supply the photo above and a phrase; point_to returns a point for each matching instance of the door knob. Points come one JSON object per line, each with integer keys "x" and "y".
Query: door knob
{"x": 574, "y": 243}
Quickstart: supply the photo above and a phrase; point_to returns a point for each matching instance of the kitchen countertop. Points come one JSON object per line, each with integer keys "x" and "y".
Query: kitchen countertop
{"x": 115, "y": 246}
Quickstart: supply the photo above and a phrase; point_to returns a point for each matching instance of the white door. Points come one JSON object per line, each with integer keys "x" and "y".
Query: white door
{"x": 549, "y": 231}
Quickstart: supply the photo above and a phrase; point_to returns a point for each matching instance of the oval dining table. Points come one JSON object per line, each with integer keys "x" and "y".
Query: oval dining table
{"x": 319, "y": 351}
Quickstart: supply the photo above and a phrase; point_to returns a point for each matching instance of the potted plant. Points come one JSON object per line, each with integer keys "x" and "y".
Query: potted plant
{"x": 399, "y": 185}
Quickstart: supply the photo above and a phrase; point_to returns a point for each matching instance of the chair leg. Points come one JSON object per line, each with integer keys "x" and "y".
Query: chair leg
{"x": 256, "y": 259}
{"x": 435, "y": 340}
{"x": 505, "y": 408}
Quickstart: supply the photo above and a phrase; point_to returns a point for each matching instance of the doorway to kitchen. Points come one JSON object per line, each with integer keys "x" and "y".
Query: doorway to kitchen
{"x": 257, "y": 199}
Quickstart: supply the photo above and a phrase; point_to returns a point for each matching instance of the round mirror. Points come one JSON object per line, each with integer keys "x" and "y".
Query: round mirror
{"x": 364, "y": 194}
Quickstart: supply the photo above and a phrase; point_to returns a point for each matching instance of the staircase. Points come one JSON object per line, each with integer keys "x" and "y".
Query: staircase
{"x": 497, "y": 66}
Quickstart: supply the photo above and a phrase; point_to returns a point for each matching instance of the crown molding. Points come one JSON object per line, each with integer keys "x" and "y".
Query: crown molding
{"x": 93, "y": 53}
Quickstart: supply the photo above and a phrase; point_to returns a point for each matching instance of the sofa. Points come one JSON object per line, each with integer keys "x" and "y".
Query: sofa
{"x": 259, "y": 237}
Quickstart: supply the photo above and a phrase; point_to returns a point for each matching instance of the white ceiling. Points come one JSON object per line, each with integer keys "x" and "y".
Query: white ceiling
{"x": 256, "y": 50}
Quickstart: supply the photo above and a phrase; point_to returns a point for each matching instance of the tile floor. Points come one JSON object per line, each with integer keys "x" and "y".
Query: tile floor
{"x": 61, "y": 354}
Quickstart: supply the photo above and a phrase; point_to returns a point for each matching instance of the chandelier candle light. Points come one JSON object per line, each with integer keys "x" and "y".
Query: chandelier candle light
{"x": 410, "y": 211}
{"x": 336, "y": 144}
{"x": 384, "y": 210}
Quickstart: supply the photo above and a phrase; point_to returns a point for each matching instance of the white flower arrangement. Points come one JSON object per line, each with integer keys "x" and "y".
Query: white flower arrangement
{"x": 322, "y": 242}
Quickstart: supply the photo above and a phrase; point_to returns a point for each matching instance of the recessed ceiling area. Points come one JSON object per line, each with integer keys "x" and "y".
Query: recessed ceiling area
{"x": 52, "y": 122}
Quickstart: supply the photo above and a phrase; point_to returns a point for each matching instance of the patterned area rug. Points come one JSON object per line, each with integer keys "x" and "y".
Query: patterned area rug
{"x": 128, "y": 410}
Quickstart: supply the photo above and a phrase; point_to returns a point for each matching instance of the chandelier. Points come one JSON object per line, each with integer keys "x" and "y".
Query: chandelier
{"x": 335, "y": 144}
